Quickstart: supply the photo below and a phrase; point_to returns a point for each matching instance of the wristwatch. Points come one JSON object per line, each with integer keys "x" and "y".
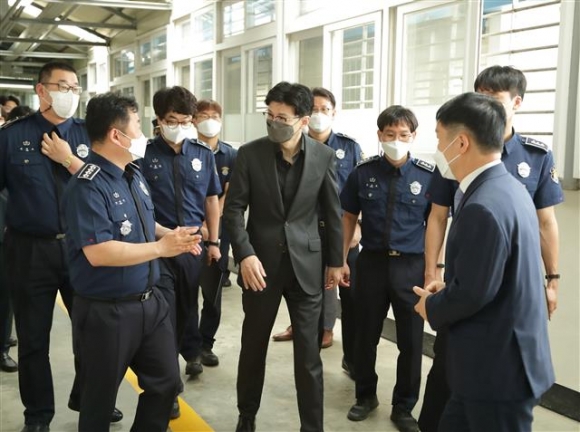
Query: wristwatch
{"x": 208, "y": 243}
{"x": 68, "y": 161}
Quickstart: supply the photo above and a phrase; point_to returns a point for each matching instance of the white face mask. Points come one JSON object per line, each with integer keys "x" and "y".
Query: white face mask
{"x": 209, "y": 127}
{"x": 177, "y": 134}
{"x": 320, "y": 122}
{"x": 395, "y": 150}
{"x": 64, "y": 105}
{"x": 443, "y": 164}
{"x": 138, "y": 146}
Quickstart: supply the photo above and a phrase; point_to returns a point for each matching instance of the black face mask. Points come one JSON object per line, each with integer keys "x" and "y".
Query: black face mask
{"x": 279, "y": 132}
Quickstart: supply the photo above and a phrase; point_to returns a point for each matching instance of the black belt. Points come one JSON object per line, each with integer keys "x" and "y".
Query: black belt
{"x": 393, "y": 253}
{"x": 144, "y": 296}
{"x": 59, "y": 236}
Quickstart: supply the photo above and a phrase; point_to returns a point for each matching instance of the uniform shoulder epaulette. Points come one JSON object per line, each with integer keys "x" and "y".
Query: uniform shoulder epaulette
{"x": 89, "y": 171}
{"x": 424, "y": 164}
{"x": 13, "y": 122}
{"x": 226, "y": 144}
{"x": 369, "y": 160}
{"x": 340, "y": 134}
{"x": 201, "y": 143}
{"x": 535, "y": 143}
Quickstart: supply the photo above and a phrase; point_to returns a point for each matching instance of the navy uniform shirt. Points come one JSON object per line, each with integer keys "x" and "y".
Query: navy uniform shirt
{"x": 199, "y": 180}
{"x": 367, "y": 191}
{"x": 528, "y": 160}
{"x": 225, "y": 160}
{"x": 28, "y": 174}
{"x": 99, "y": 207}
{"x": 348, "y": 155}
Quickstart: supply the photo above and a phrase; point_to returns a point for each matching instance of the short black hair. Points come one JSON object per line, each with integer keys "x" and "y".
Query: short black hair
{"x": 4, "y": 99}
{"x": 208, "y": 105}
{"x": 501, "y": 78}
{"x": 397, "y": 114}
{"x": 19, "y": 111}
{"x": 46, "y": 70}
{"x": 108, "y": 110}
{"x": 177, "y": 99}
{"x": 325, "y": 93}
{"x": 295, "y": 95}
{"x": 482, "y": 116}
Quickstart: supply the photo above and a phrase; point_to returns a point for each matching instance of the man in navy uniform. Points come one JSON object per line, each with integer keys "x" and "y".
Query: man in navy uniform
{"x": 389, "y": 190}
{"x": 492, "y": 303}
{"x": 348, "y": 155}
{"x": 120, "y": 318}
{"x": 531, "y": 162}
{"x": 208, "y": 122}
{"x": 184, "y": 187}
{"x": 38, "y": 155}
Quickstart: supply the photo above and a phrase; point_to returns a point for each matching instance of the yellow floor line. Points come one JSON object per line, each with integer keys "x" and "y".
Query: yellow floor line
{"x": 189, "y": 421}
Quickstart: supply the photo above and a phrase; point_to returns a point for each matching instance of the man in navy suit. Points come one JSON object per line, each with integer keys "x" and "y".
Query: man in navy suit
{"x": 492, "y": 301}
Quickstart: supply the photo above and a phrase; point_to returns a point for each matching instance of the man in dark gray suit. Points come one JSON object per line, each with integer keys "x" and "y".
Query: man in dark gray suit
{"x": 498, "y": 361}
{"x": 288, "y": 182}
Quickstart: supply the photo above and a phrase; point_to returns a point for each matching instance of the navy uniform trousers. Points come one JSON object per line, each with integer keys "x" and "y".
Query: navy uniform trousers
{"x": 384, "y": 281}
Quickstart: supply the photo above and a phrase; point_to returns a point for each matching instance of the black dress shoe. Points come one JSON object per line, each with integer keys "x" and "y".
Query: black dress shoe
{"x": 36, "y": 428}
{"x": 12, "y": 341}
{"x": 175, "y": 411}
{"x": 227, "y": 283}
{"x": 348, "y": 369}
{"x": 362, "y": 408}
{"x": 208, "y": 358}
{"x": 7, "y": 364}
{"x": 193, "y": 367}
{"x": 116, "y": 416}
{"x": 403, "y": 419}
{"x": 246, "y": 424}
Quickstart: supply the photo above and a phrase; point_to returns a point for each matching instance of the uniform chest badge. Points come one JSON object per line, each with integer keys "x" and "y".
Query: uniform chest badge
{"x": 116, "y": 195}
{"x": 196, "y": 165}
{"x": 143, "y": 188}
{"x": 225, "y": 170}
{"x": 415, "y": 188}
{"x": 82, "y": 151}
{"x": 524, "y": 170}
{"x": 340, "y": 154}
{"x": 25, "y": 143}
{"x": 554, "y": 175}
{"x": 126, "y": 228}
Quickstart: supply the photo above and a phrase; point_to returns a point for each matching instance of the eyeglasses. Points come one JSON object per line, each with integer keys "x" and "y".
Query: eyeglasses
{"x": 65, "y": 88}
{"x": 172, "y": 124}
{"x": 203, "y": 117}
{"x": 324, "y": 110}
{"x": 405, "y": 137}
{"x": 279, "y": 119}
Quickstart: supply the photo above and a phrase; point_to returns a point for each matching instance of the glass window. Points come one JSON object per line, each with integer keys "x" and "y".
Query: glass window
{"x": 203, "y": 79}
{"x": 233, "y": 84}
{"x": 260, "y": 75}
{"x": 310, "y": 61}
{"x": 358, "y": 60}
{"x": 145, "y": 53}
{"x": 159, "y": 82}
{"x": 233, "y": 18}
{"x": 84, "y": 81}
{"x": 183, "y": 30}
{"x": 240, "y": 15}
{"x": 259, "y": 12}
{"x": 128, "y": 91}
{"x": 159, "y": 48}
{"x": 203, "y": 27}
{"x": 124, "y": 63}
{"x": 185, "y": 76}
{"x": 93, "y": 73}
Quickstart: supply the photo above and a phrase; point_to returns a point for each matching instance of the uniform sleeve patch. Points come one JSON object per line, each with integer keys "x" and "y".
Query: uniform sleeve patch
{"x": 554, "y": 175}
{"x": 535, "y": 143}
{"x": 89, "y": 171}
{"x": 371, "y": 159}
{"x": 344, "y": 136}
{"x": 424, "y": 164}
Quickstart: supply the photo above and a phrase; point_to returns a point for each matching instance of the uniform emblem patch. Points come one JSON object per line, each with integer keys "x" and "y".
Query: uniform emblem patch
{"x": 89, "y": 171}
{"x": 225, "y": 170}
{"x": 196, "y": 165}
{"x": 340, "y": 154}
{"x": 126, "y": 228}
{"x": 143, "y": 188}
{"x": 82, "y": 151}
{"x": 524, "y": 170}
{"x": 415, "y": 188}
{"x": 554, "y": 175}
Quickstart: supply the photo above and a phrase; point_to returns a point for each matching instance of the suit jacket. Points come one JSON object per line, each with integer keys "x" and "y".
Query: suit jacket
{"x": 494, "y": 300}
{"x": 270, "y": 230}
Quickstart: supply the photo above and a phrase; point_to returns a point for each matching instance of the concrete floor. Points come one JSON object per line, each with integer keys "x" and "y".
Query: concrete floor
{"x": 212, "y": 394}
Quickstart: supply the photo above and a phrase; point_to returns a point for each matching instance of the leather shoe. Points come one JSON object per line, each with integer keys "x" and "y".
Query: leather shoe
{"x": 348, "y": 369}
{"x": 36, "y": 428}
{"x": 227, "y": 283}
{"x": 116, "y": 416}
{"x": 403, "y": 419}
{"x": 362, "y": 408}
{"x": 7, "y": 364}
{"x": 208, "y": 358}
{"x": 193, "y": 367}
{"x": 175, "y": 411}
{"x": 286, "y": 335}
{"x": 246, "y": 424}
{"x": 12, "y": 341}
{"x": 327, "y": 337}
